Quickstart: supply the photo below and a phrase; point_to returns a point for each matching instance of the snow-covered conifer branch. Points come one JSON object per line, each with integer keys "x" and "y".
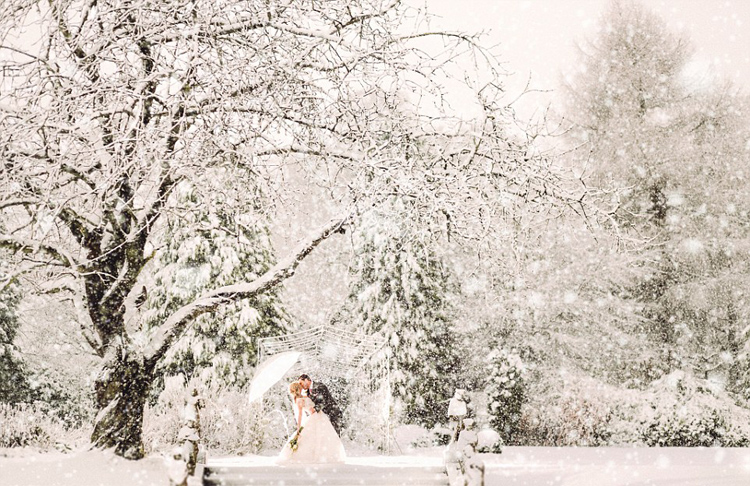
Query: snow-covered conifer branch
{"x": 163, "y": 336}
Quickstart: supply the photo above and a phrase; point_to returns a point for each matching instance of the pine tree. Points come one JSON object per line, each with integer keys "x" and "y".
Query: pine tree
{"x": 14, "y": 386}
{"x": 402, "y": 291}
{"x": 208, "y": 249}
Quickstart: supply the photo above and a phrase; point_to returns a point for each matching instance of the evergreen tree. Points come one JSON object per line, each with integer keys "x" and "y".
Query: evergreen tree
{"x": 506, "y": 392}
{"x": 14, "y": 386}
{"x": 402, "y": 291}
{"x": 207, "y": 249}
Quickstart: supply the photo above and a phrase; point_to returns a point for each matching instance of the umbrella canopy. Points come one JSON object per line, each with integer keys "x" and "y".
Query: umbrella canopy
{"x": 270, "y": 372}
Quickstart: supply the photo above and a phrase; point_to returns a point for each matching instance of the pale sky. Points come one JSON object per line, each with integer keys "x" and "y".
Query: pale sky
{"x": 538, "y": 37}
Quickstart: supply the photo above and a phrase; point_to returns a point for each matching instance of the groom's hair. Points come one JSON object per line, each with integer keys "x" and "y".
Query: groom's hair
{"x": 304, "y": 377}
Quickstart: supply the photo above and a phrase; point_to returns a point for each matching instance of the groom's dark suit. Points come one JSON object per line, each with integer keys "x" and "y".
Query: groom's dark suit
{"x": 325, "y": 403}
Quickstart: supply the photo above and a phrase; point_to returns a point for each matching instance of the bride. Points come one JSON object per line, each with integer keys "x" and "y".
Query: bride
{"x": 316, "y": 439}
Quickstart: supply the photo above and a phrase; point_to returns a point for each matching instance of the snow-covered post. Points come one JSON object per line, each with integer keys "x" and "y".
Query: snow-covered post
{"x": 190, "y": 433}
{"x": 471, "y": 466}
{"x": 177, "y": 467}
{"x": 457, "y": 410}
{"x": 461, "y": 463}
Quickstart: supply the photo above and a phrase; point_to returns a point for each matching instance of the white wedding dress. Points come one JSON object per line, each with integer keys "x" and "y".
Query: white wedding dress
{"x": 318, "y": 441}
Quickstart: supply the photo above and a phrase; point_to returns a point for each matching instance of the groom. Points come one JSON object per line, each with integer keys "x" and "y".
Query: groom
{"x": 323, "y": 400}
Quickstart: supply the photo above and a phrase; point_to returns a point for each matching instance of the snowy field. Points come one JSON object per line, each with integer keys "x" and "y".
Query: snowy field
{"x": 525, "y": 466}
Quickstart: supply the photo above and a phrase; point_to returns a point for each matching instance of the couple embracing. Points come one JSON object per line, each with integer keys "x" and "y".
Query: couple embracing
{"x": 318, "y": 426}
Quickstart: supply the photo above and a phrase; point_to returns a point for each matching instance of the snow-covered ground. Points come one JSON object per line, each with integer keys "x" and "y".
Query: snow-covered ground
{"x": 520, "y": 466}
{"x": 619, "y": 466}
{"x": 20, "y": 467}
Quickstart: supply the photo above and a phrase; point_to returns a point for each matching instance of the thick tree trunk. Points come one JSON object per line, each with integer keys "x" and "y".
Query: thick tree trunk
{"x": 126, "y": 377}
{"x": 121, "y": 390}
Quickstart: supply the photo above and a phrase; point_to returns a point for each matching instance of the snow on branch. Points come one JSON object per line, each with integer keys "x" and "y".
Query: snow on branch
{"x": 331, "y": 33}
{"x": 17, "y": 244}
{"x": 17, "y": 202}
{"x": 163, "y": 336}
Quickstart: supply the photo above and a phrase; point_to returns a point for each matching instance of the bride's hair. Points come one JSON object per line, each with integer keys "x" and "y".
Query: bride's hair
{"x": 295, "y": 389}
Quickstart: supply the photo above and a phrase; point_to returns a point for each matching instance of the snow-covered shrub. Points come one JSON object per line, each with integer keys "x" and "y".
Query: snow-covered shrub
{"x": 439, "y": 436}
{"x": 53, "y": 394}
{"x": 162, "y": 420}
{"x": 688, "y": 412}
{"x": 708, "y": 429}
{"x": 39, "y": 391}
{"x": 676, "y": 410}
{"x": 489, "y": 440}
{"x": 410, "y": 435}
{"x": 20, "y": 427}
{"x": 506, "y": 393}
{"x": 363, "y": 421}
{"x": 24, "y": 425}
{"x": 567, "y": 421}
{"x": 229, "y": 425}
{"x": 232, "y": 426}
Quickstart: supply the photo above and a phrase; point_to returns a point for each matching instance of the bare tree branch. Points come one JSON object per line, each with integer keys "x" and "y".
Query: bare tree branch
{"x": 28, "y": 247}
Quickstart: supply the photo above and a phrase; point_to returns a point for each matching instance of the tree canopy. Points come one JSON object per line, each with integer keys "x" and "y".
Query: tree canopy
{"x": 114, "y": 103}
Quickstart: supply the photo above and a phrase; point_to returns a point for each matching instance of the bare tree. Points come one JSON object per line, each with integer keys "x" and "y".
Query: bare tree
{"x": 116, "y": 101}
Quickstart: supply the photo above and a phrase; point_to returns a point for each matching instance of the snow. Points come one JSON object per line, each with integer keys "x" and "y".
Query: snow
{"x": 619, "y": 466}
{"x": 520, "y": 466}
{"x": 21, "y": 467}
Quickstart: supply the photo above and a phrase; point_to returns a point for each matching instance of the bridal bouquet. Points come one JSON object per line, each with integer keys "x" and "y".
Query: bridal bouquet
{"x": 294, "y": 443}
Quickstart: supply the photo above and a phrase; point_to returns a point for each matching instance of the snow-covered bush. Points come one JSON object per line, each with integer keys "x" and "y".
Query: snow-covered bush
{"x": 688, "y": 412}
{"x": 20, "y": 427}
{"x": 489, "y": 440}
{"x": 710, "y": 428}
{"x": 24, "y": 425}
{"x": 24, "y": 383}
{"x": 229, "y": 425}
{"x": 506, "y": 393}
{"x": 410, "y": 435}
{"x": 52, "y": 392}
{"x": 567, "y": 421}
{"x": 162, "y": 420}
{"x": 439, "y": 436}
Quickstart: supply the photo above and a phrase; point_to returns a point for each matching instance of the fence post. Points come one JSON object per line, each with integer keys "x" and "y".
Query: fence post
{"x": 472, "y": 467}
{"x": 190, "y": 433}
{"x": 177, "y": 468}
{"x": 457, "y": 411}
{"x": 462, "y": 464}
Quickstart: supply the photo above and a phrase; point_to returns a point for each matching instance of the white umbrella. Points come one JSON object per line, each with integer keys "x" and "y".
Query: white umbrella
{"x": 270, "y": 372}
